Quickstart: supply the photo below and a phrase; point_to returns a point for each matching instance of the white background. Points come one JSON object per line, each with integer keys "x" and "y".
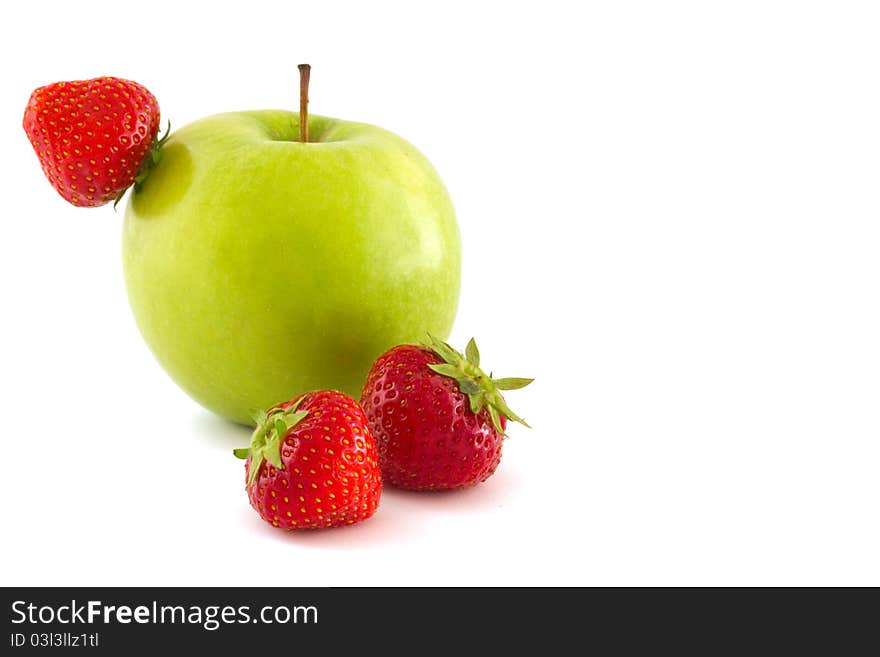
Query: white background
{"x": 670, "y": 219}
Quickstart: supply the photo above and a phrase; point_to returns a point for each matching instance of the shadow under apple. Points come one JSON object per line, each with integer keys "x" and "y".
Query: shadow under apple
{"x": 220, "y": 433}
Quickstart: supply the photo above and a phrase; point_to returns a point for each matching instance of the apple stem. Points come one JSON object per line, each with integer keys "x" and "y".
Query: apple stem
{"x": 304, "y": 70}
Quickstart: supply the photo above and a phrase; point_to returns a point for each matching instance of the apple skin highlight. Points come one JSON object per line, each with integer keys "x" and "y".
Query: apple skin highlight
{"x": 259, "y": 267}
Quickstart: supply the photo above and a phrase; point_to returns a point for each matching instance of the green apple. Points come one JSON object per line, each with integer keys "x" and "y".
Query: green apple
{"x": 258, "y": 266}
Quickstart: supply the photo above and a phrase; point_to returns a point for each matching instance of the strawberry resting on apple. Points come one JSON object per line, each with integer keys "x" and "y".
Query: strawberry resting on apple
{"x": 93, "y": 137}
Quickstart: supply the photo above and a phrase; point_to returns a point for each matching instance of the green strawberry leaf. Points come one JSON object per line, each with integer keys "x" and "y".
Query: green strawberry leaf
{"x": 272, "y": 453}
{"x": 498, "y": 402}
{"x": 482, "y": 391}
{"x": 119, "y": 198}
{"x": 445, "y": 352}
{"x": 292, "y": 419}
{"x": 469, "y": 386}
{"x": 512, "y": 383}
{"x": 256, "y": 464}
{"x": 268, "y": 436}
{"x": 257, "y": 415}
{"x": 167, "y": 134}
{"x": 496, "y": 421}
{"x": 472, "y": 353}
{"x": 446, "y": 370}
{"x": 258, "y": 438}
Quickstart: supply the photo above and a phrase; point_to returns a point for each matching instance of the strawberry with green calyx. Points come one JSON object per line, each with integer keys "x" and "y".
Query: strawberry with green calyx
{"x": 151, "y": 160}
{"x": 94, "y": 138}
{"x": 266, "y": 440}
{"x": 312, "y": 463}
{"x": 439, "y": 420}
{"x": 483, "y": 391}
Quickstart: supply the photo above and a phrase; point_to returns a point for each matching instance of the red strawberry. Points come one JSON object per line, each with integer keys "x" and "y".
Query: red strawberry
{"x": 91, "y": 136}
{"x": 312, "y": 463}
{"x": 439, "y": 420}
